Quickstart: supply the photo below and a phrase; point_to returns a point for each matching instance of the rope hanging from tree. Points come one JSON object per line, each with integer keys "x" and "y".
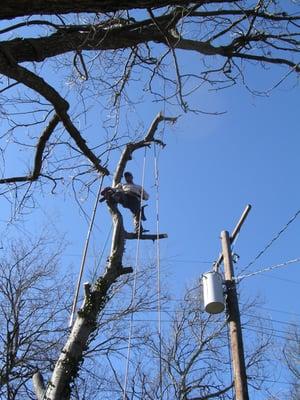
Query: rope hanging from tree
{"x": 156, "y": 175}
{"x": 137, "y": 258}
{"x": 133, "y": 295}
{"x": 84, "y": 254}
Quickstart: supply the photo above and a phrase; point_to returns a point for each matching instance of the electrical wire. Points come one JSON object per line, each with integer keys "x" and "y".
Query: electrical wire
{"x": 239, "y": 278}
{"x": 292, "y": 219}
{"x": 281, "y": 311}
{"x": 270, "y": 319}
{"x": 273, "y": 335}
{"x": 267, "y": 328}
{"x": 279, "y": 278}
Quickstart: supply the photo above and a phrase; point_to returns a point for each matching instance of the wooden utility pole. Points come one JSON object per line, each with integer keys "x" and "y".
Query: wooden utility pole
{"x": 234, "y": 234}
{"x": 235, "y": 330}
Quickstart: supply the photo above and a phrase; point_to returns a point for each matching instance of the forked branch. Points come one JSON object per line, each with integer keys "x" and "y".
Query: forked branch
{"x": 146, "y": 142}
{"x": 96, "y": 296}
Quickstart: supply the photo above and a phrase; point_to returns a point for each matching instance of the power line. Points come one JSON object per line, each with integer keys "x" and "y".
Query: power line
{"x": 270, "y": 319}
{"x": 279, "y": 278}
{"x": 271, "y": 381}
{"x": 266, "y": 269}
{"x": 272, "y": 334}
{"x": 190, "y": 261}
{"x": 281, "y": 311}
{"x": 292, "y": 219}
{"x": 267, "y": 328}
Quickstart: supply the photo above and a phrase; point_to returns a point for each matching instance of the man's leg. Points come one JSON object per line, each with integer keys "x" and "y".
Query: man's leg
{"x": 133, "y": 203}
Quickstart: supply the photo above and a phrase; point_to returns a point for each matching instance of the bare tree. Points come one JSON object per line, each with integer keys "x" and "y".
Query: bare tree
{"x": 34, "y": 324}
{"x": 291, "y": 354}
{"x": 191, "y": 358}
{"x": 97, "y": 295}
{"x": 32, "y": 321}
{"x": 100, "y": 48}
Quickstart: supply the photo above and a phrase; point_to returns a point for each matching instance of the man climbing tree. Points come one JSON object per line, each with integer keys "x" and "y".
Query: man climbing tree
{"x": 52, "y": 52}
{"x": 130, "y": 196}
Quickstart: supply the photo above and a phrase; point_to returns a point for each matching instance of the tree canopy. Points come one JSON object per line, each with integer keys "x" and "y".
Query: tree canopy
{"x": 60, "y": 59}
{"x": 99, "y": 49}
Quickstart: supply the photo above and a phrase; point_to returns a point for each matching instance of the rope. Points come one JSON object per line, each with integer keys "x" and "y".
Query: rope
{"x": 272, "y": 241}
{"x": 156, "y": 175}
{"x": 95, "y": 271}
{"x": 87, "y": 241}
{"x": 267, "y": 269}
{"x": 137, "y": 257}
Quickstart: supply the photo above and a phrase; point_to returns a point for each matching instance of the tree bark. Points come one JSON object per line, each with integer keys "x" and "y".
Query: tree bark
{"x": 96, "y": 297}
{"x": 39, "y": 386}
{"x": 71, "y": 357}
{"x": 18, "y": 8}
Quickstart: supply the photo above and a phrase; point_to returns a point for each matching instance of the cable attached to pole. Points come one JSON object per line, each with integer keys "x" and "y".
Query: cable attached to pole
{"x": 270, "y": 243}
{"x": 266, "y": 269}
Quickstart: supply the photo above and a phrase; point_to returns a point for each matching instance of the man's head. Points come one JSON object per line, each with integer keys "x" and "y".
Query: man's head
{"x": 128, "y": 177}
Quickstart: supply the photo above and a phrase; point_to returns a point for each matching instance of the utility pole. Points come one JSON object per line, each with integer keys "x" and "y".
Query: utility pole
{"x": 235, "y": 330}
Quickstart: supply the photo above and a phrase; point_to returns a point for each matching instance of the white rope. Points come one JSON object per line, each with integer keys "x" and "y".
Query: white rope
{"x": 137, "y": 257}
{"x": 267, "y": 269}
{"x": 156, "y": 175}
{"x": 98, "y": 262}
{"x": 83, "y": 259}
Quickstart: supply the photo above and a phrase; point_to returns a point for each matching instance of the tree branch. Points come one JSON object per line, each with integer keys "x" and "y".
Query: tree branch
{"x": 39, "y": 386}
{"x": 18, "y": 8}
{"x": 269, "y": 60}
{"x": 71, "y": 357}
{"x": 146, "y": 142}
{"x": 249, "y": 13}
{"x": 216, "y": 394}
{"x": 130, "y": 35}
{"x": 45, "y": 136}
{"x": 38, "y": 84}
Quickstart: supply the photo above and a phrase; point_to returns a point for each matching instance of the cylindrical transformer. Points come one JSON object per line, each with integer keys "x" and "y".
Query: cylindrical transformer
{"x": 213, "y": 294}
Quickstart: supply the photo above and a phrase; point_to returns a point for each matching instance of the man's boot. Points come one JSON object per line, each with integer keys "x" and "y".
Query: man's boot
{"x": 138, "y": 227}
{"x": 143, "y": 218}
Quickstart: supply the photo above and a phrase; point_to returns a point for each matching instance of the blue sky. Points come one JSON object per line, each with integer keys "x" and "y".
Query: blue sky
{"x": 210, "y": 169}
